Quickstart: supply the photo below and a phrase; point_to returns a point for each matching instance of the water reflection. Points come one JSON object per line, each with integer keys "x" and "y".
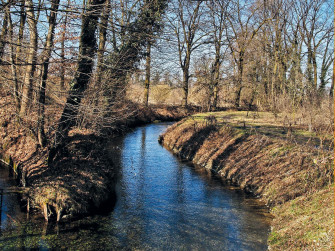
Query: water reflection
{"x": 163, "y": 204}
{"x": 168, "y": 204}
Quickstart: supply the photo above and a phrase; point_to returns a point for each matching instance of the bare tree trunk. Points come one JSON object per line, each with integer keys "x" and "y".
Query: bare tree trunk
{"x": 185, "y": 25}
{"x": 13, "y": 66}
{"x": 83, "y": 74}
{"x": 16, "y": 60}
{"x": 310, "y": 69}
{"x": 186, "y": 77}
{"x": 238, "y": 96}
{"x": 216, "y": 81}
{"x": 62, "y": 52}
{"x": 102, "y": 40}
{"x": 4, "y": 32}
{"x": 31, "y": 62}
{"x": 315, "y": 72}
{"x": 147, "y": 74}
{"x": 239, "y": 80}
{"x": 45, "y": 69}
{"x": 216, "y": 91}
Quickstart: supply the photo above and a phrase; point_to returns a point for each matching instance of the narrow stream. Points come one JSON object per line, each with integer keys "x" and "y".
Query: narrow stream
{"x": 162, "y": 204}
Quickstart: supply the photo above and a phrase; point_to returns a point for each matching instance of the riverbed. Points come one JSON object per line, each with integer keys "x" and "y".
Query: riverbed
{"x": 162, "y": 203}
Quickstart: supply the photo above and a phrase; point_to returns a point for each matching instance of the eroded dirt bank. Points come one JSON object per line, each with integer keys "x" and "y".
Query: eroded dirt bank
{"x": 295, "y": 180}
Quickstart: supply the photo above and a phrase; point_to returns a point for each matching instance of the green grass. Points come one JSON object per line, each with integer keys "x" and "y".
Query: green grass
{"x": 307, "y": 220}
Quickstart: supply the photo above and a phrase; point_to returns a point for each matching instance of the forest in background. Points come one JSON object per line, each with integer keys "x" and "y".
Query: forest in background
{"x": 65, "y": 63}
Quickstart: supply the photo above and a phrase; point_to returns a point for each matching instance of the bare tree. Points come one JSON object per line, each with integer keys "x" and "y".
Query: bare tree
{"x": 103, "y": 27}
{"x": 315, "y": 28}
{"x": 16, "y": 52}
{"x": 240, "y": 33}
{"x": 147, "y": 74}
{"x": 4, "y": 30}
{"x": 185, "y": 23}
{"x": 63, "y": 39}
{"x": 45, "y": 69}
{"x": 33, "y": 13}
{"x": 80, "y": 81}
{"x": 217, "y": 13}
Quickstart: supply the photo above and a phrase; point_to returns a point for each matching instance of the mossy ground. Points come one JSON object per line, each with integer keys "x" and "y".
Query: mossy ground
{"x": 291, "y": 169}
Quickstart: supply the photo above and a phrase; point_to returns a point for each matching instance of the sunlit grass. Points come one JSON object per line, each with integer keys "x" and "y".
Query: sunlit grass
{"x": 309, "y": 221}
{"x": 267, "y": 123}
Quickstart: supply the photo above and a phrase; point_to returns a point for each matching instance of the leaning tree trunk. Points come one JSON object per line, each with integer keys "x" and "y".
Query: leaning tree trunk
{"x": 45, "y": 68}
{"x": 87, "y": 51}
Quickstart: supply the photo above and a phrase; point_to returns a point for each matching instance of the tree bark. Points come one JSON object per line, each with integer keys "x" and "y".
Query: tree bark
{"x": 216, "y": 82}
{"x": 147, "y": 74}
{"x": 84, "y": 70}
{"x": 186, "y": 77}
{"x": 102, "y": 40}
{"x": 31, "y": 62}
{"x": 239, "y": 79}
{"x": 45, "y": 69}
{"x": 17, "y": 58}
{"x": 62, "y": 53}
{"x": 13, "y": 66}
{"x": 4, "y": 32}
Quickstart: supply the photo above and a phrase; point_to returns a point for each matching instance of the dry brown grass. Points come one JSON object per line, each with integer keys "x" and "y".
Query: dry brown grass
{"x": 279, "y": 169}
{"x": 77, "y": 181}
{"x": 80, "y": 177}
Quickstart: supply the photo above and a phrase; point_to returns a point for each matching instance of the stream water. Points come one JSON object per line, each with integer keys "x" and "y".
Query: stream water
{"x": 162, "y": 204}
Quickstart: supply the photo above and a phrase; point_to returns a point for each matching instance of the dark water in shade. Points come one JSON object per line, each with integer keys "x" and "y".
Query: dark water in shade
{"x": 162, "y": 204}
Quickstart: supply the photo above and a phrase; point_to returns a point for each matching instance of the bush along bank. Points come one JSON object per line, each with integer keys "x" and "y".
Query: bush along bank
{"x": 295, "y": 180}
{"x": 80, "y": 179}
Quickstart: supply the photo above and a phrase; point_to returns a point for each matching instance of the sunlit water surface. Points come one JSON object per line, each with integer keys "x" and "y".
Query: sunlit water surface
{"x": 162, "y": 204}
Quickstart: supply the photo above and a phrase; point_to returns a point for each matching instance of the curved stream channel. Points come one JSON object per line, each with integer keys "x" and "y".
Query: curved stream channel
{"x": 162, "y": 204}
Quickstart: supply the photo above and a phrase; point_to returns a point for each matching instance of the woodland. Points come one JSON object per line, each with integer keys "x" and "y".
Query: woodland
{"x": 65, "y": 63}
{"x": 97, "y": 67}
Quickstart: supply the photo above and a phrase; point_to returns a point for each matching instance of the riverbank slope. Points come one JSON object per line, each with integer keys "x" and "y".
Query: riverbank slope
{"x": 280, "y": 164}
{"x": 80, "y": 178}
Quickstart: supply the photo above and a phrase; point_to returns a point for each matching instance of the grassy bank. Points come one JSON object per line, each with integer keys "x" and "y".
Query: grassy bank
{"x": 288, "y": 167}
